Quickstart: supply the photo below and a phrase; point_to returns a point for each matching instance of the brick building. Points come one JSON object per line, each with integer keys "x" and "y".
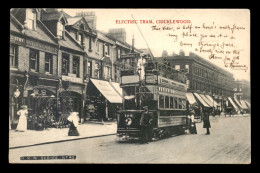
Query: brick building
{"x": 207, "y": 80}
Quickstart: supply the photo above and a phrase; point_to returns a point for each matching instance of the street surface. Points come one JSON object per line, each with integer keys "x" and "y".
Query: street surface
{"x": 229, "y": 142}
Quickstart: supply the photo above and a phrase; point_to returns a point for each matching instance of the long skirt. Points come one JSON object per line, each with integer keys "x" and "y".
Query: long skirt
{"x": 22, "y": 123}
{"x": 73, "y": 130}
{"x": 193, "y": 129}
{"x": 206, "y": 124}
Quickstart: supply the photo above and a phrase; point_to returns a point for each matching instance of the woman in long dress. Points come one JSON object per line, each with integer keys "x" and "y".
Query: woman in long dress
{"x": 74, "y": 121}
{"x": 22, "y": 123}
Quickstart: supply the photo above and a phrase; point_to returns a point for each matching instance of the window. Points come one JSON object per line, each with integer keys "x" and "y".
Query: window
{"x": 80, "y": 38}
{"x": 13, "y": 56}
{"x": 60, "y": 30}
{"x": 65, "y": 64}
{"x": 97, "y": 71}
{"x": 167, "y": 102}
{"x": 161, "y": 101}
{"x": 48, "y": 63}
{"x": 97, "y": 45}
{"x": 90, "y": 43}
{"x": 176, "y": 106}
{"x": 171, "y": 102}
{"x": 177, "y": 67}
{"x": 107, "y": 72}
{"x": 90, "y": 68}
{"x": 76, "y": 66}
{"x": 106, "y": 49}
{"x": 118, "y": 53}
{"x": 30, "y": 16}
{"x": 187, "y": 68}
{"x": 34, "y": 60}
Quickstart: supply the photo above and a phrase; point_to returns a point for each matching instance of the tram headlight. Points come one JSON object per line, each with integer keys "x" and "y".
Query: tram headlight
{"x": 128, "y": 121}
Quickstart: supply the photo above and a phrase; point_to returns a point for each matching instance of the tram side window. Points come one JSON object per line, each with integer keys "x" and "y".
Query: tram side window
{"x": 183, "y": 103}
{"x": 171, "y": 102}
{"x": 180, "y": 103}
{"x": 161, "y": 101}
{"x": 167, "y": 102}
{"x": 176, "y": 103}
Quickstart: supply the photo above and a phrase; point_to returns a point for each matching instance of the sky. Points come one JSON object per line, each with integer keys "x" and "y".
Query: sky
{"x": 173, "y": 40}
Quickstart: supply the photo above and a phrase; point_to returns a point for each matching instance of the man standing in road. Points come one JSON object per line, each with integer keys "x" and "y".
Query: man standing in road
{"x": 145, "y": 124}
{"x": 206, "y": 122}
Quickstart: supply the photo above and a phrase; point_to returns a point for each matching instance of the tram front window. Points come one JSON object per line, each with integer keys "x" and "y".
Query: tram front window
{"x": 130, "y": 98}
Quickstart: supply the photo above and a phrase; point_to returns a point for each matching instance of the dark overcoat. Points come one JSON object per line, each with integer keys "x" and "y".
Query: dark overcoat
{"x": 206, "y": 122}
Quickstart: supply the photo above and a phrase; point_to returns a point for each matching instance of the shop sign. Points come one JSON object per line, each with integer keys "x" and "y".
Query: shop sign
{"x": 39, "y": 45}
{"x": 17, "y": 40}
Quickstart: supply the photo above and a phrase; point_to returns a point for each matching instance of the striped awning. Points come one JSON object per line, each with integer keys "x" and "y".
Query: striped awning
{"x": 248, "y": 104}
{"x": 211, "y": 99}
{"x": 243, "y": 104}
{"x": 201, "y": 100}
{"x": 209, "y": 102}
{"x": 232, "y": 103}
{"x": 191, "y": 99}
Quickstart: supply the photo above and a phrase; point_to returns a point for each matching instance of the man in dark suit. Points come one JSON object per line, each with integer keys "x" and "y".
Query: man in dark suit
{"x": 146, "y": 127}
{"x": 206, "y": 122}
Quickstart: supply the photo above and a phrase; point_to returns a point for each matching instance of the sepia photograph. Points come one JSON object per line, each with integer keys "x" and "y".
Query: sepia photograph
{"x": 129, "y": 86}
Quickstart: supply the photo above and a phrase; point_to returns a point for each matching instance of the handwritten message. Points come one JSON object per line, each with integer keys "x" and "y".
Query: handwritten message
{"x": 218, "y": 42}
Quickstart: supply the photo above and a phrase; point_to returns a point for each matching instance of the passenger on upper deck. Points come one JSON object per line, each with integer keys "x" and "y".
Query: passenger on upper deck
{"x": 141, "y": 66}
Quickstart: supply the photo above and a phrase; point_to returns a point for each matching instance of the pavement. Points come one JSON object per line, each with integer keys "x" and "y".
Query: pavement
{"x": 89, "y": 129}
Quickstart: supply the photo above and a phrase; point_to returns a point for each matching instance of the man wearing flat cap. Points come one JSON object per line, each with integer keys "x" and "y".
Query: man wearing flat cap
{"x": 146, "y": 126}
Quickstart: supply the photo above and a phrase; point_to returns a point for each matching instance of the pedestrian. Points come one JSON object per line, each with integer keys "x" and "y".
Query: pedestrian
{"x": 73, "y": 124}
{"x": 206, "y": 122}
{"x": 192, "y": 124}
{"x": 22, "y": 123}
{"x": 146, "y": 126}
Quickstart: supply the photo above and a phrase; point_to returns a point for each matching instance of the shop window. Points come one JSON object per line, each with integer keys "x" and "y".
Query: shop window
{"x": 13, "y": 56}
{"x": 30, "y": 19}
{"x": 76, "y": 66}
{"x": 161, "y": 101}
{"x": 34, "y": 60}
{"x": 65, "y": 64}
{"x": 60, "y": 29}
{"x": 48, "y": 63}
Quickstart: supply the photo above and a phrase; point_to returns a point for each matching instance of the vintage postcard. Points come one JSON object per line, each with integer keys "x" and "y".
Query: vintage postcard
{"x": 129, "y": 86}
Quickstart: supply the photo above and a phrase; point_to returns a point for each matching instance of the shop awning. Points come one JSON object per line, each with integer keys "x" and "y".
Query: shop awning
{"x": 243, "y": 104}
{"x": 117, "y": 87}
{"x": 248, "y": 104}
{"x": 211, "y": 99}
{"x": 107, "y": 91}
{"x": 233, "y": 104}
{"x": 191, "y": 99}
{"x": 209, "y": 102}
{"x": 237, "y": 102}
{"x": 201, "y": 100}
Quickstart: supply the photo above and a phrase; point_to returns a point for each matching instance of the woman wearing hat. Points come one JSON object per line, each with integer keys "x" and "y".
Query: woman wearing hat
{"x": 74, "y": 121}
{"x": 22, "y": 123}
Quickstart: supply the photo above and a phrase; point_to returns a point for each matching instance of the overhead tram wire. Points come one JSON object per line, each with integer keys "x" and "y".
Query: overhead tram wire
{"x": 143, "y": 37}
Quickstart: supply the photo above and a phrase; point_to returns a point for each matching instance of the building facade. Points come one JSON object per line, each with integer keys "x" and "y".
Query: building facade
{"x": 204, "y": 77}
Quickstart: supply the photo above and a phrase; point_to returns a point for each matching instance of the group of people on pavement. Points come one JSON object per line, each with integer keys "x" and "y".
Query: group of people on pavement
{"x": 22, "y": 122}
{"x": 147, "y": 119}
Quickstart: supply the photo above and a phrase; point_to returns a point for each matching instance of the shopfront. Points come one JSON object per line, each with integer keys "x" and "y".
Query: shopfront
{"x": 104, "y": 97}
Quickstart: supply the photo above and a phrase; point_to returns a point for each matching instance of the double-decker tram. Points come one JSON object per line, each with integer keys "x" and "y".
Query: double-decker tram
{"x": 147, "y": 82}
